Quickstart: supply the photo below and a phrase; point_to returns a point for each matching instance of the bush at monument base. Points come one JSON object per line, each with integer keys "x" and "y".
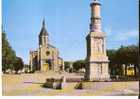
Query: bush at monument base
{"x": 79, "y": 85}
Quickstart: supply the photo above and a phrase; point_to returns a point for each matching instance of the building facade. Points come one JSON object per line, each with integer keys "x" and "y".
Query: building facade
{"x": 97, "y": 60}
{"x": 46, "y": 57}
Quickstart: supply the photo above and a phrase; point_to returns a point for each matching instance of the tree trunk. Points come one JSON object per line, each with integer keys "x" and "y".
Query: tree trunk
{"x": 135, "y": 71}
{"x": 125, "y": 71}
{"x": 16, "y": 72}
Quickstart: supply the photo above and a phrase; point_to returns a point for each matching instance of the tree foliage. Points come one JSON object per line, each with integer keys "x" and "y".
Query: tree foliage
{"x": 8, "y": 54}
{"x": 9, "y": 58}
{"x": 124, "y": 55}
{"x": 79, "y": 64}
{"x": 18, "y": 65}
{"x": 66, "y": 65}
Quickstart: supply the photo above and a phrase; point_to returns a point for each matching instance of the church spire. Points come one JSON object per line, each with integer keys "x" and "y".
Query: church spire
{"x": 43, "y": 31}
{"x": 43, "y": 36}
{"x": 43, "y": 22}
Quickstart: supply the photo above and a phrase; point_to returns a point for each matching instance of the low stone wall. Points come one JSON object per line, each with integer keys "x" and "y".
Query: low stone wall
{"x": 74, "y": 79}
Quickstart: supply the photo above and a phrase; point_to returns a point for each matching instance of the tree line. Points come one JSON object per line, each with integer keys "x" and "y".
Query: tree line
{"x": 9, "y": 59}
{"x": 124, "y": 56}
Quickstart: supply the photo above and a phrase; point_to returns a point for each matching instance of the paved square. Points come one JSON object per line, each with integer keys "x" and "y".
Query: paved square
{"x": 30, "y": 85}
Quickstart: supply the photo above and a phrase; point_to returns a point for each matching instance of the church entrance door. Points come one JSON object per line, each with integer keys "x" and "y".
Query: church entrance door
{"x": 45, "y": 67}
{"x": 49, "y": 64}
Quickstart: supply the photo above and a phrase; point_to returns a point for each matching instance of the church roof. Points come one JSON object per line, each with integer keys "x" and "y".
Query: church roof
{"x": 51, "y": 46}
{"x": 43, "y": 31}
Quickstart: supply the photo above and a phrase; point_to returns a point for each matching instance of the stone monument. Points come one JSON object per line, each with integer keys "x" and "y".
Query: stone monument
{"x": 97, "y": 61}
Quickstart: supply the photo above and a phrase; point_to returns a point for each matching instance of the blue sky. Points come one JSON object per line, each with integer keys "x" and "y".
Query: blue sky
{"x": 67, "y": 22}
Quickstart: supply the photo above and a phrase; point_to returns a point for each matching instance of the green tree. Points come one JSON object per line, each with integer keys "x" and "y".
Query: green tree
{"x": 79, "y": 64}
{"x": 66, "y": 65}
{"x": 111, "y": 56}
{"x": 18, "y": 65}
{"x": 8, "y": 54}
{"x": 124, "y": 55}
{"x": 132, "y": 56}
{"x": 128, "y": 55}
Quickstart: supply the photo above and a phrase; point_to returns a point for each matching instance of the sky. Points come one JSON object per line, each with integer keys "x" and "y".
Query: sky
{"x": 67, "y": 22}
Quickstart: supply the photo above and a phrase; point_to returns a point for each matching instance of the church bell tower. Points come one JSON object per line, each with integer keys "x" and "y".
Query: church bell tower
{"x": 43, "y": 45}
{"x": 43, "y": 36}
{"x": 97, "y": 60}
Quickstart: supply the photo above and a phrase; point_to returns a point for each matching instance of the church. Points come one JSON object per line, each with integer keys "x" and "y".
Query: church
{"x": 46, "y": 57}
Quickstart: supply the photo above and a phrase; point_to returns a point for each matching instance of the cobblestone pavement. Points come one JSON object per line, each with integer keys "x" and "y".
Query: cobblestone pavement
{"x": 30, "y": 85}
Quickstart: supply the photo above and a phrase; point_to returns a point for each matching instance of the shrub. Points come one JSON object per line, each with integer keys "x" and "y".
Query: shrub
{"x": 79, "y": 85}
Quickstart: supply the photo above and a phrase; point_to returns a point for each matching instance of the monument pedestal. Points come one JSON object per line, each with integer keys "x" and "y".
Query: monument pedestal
{"x": 97, "y": 61}
{"x": 97, "y": 71}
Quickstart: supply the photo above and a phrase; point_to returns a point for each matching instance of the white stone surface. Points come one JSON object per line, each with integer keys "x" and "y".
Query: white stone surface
{"x": 97, "y": 60}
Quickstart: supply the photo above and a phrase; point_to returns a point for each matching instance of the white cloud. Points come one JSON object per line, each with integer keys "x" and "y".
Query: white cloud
{"x": 124, "y": 36}
{"x": 121, "y": 36}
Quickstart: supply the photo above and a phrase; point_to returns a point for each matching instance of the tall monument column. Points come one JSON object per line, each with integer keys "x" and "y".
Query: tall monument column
{"x": 97, "y": 61}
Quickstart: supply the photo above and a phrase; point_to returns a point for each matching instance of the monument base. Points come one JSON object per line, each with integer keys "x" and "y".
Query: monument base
{"x": 97, "y": 71}
{"x": 99, "y": 78}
